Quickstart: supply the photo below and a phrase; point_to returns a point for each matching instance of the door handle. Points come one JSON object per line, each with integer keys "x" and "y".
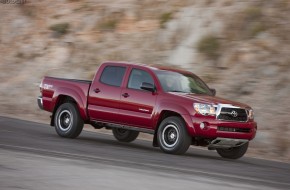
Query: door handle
{"x": 97, "y": 90}
{"x": 125, "y": 95}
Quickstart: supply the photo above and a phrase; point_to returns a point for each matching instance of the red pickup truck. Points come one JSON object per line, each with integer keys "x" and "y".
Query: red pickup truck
{"x": 176, "y": 106}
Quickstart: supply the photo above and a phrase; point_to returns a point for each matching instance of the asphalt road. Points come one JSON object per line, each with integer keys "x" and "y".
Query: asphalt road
{"x": 32, "y": 156}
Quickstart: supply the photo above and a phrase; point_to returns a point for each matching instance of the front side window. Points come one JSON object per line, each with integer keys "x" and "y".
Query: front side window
{"x": 113, "y": 75}
{"x": 184, "y": 83}
{"x": 137, "y": 77}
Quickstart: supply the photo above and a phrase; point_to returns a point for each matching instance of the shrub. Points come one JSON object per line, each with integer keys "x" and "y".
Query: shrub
{"x": 164, "y": 18}
{"x": 253, "y": 13}
{"x": 257, "y": 28}
{"x": 209, "y": 45}
{"x": 254, "y": 22}
{"x": 60, "y": 29}
{"x": 108, "y": 25}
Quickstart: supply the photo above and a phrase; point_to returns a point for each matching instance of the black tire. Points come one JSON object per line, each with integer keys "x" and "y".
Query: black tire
{"x": 124, "y": 135}
{"x": 233, "y": 153}
{"x": 68, "y": 122}
{"x": 172, "y": 136}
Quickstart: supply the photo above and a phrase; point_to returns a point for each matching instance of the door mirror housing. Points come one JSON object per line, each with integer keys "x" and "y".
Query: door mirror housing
{"x": 147, "y": 86}
{"x": 213, "y": 91}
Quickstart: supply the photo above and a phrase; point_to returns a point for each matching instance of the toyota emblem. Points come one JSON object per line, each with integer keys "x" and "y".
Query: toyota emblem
{"x": 234, "y": 113}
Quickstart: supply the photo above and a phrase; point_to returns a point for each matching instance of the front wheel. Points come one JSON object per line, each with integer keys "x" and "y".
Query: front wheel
{"x": 172, "y": 136}
{"x": 125, "y": 135}
{"x": 233, "y": 153}
{"x": 68, "y": 122}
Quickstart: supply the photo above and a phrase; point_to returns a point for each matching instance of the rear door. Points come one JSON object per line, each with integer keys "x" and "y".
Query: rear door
{"x": 105, "y": 91}
{"x": 137, "y": 105}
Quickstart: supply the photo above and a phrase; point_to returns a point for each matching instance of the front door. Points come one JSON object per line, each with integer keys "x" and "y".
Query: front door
{"x": 137, "y": 105}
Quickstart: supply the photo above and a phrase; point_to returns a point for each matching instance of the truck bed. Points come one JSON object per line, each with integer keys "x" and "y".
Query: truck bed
{"x": 54, "y": 87}
{"x": 72, "y": 80}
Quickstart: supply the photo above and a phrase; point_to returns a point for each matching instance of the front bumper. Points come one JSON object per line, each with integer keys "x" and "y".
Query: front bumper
{"x": 40, "y": 102}
{"x": 224, "y": 129}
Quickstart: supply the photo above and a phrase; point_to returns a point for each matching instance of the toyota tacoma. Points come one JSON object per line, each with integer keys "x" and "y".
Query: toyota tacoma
{"x": 176, "y": 106}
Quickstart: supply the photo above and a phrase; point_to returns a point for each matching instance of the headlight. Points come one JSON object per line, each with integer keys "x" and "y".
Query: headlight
{"x": 250, "y": 114}
{"x": 204, "y": 109}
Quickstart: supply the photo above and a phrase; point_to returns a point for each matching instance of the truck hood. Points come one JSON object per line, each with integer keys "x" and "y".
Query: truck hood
{"x": 202, "y": 98}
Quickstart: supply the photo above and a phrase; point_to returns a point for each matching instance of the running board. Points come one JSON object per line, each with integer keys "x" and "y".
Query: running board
{"x": 114, "y": 125}
{"x": 226, "y": 143}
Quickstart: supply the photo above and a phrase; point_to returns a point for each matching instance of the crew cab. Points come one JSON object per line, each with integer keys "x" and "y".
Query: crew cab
{"x": 176, "y": 106}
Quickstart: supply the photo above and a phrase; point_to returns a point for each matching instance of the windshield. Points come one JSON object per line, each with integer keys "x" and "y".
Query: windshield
{"x": 184, "y": 83}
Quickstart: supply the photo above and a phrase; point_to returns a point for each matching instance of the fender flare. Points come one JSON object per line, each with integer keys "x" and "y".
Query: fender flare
{"x": 77, "y": 96}
{"x": 177, "y": 108}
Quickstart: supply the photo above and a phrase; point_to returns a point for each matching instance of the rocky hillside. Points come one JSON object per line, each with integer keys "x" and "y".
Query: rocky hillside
{"x": 241, "y": 48}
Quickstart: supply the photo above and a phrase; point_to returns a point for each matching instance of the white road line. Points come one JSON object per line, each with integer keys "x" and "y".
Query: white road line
{"x": 148, "y": 165}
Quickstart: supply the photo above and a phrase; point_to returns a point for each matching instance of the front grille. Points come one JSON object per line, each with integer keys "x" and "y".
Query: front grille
{"x": 231, "y": 129}
{"x": 233, "y": 114}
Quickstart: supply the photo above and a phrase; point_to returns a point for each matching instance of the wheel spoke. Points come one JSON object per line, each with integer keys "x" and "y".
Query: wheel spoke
{"x": 65, "y": 120}
{"x": 170, "y": 135}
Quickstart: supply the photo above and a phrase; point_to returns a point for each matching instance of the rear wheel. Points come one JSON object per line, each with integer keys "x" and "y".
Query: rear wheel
{"x": 233, "y": 153}
{"x": 125, "y": 135}
{"x": 172, "y": 136}
{"x": 68, "y": 122}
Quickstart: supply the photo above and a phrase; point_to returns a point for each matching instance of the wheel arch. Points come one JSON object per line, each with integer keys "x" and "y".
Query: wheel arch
{"x": 64, "y": 98}
{"x": 168, "y": 113}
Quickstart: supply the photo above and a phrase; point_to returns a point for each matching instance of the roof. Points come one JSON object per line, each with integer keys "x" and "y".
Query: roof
{"x": 151, "y": 66}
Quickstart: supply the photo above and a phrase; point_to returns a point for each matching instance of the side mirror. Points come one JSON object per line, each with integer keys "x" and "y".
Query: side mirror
{"x": 147, "y": 86}
{"x": 213, "y": 91}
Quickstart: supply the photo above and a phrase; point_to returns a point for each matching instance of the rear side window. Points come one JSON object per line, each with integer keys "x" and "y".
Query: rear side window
{"x": 113, "y": 75}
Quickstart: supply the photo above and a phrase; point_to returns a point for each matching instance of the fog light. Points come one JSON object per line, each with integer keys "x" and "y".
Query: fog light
{"x": 203, "y": 125}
